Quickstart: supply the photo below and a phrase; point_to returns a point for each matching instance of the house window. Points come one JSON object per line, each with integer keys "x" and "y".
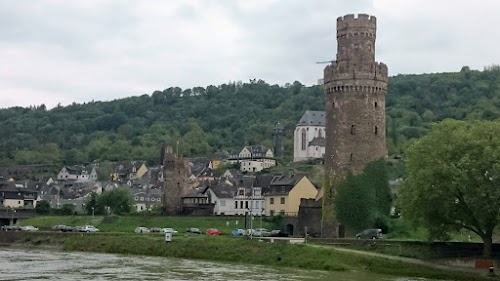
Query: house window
{"x": 241, "y": 204}
{"x": 303, "y": 139}
{"x": 223, "y": 203}
{"x": 282, "y": 200}
{"x": 236, "y": 204}
{"x": 241, "y": 192}
{"x": 142, "y": 198}
{"x": 246, "y": 204}
{"x": 353, "y": 129}
{"x": 271, "y": 213}
{"x": 271, "y": 201}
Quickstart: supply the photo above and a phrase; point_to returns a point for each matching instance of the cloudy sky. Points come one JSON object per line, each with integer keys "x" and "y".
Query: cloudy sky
{"x": 59, "y": 51}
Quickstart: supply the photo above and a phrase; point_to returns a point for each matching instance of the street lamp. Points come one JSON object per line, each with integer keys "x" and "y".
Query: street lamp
{"x": 92, "y": 214}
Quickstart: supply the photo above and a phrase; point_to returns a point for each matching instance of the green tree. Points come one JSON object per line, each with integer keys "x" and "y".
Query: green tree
{"x": 67, "y": 209}
{"x": 118, "y": 200}
{"x": 92, "y": 206}
{"x": 453, "y": 180}
{"x": 43, "y": 207}
{"x": 364, "y": 198}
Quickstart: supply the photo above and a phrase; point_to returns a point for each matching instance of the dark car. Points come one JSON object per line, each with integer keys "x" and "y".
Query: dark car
{"x": 62, "y": 228}
{"x": 193, "y": 230}
{"x": 372, "y": 233}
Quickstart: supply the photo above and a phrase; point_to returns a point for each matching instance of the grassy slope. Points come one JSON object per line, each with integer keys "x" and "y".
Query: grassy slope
{"x": 129, "y": 223}
{"x": 239, "y": 250}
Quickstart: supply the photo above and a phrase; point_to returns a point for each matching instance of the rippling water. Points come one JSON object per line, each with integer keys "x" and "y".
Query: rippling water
{"x": 25, "y": 264}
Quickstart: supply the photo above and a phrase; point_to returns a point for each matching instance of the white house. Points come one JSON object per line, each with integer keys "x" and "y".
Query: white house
{"x": 309, "y": 136}
{"x": 222, "y": 196}
{"x": 77, "y": 173}
{"x": 254, "y": 158}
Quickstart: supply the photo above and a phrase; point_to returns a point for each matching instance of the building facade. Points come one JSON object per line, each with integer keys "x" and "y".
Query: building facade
{"x": 355, "y": 87}
{"x": 309, "y": 136}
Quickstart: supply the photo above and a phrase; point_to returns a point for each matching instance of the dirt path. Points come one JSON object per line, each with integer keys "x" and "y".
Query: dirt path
{"x": 408, "y": 260}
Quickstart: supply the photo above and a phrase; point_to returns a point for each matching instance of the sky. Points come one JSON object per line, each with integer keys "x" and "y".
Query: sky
{"x": 59, "y": 52}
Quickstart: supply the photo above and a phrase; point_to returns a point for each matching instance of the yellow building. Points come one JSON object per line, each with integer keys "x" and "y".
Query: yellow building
{"x": 129, "y": 171}
{"x": 284, "y": 194}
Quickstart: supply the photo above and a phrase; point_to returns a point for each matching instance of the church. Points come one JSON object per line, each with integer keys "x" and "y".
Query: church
{"x": 309, "y": 136}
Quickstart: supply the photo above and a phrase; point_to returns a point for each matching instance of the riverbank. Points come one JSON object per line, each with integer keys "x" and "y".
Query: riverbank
{"x": 228, "y": 249}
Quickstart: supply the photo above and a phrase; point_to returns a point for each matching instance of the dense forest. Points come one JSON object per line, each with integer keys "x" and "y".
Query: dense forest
{"x": 226, "y": 117}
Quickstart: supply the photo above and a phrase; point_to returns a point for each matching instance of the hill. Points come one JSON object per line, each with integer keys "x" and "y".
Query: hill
{"x": 228, "y": 116}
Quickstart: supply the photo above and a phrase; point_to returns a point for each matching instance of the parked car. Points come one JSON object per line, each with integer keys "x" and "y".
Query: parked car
{"x": 11, "y": 228}
{"x": 141, "y": 229}
{"x": 261, "y": 232}
{"x": 372, "y": 233}
{"x": 89, "y": 228}
{"x": 155, "y": 229}
{"x": 213, "y": 231}
{"x": 193, "y": 230}
{"x": 168, "y": 230}
{"x": 278, "y": 233}
{"x": 62, "y": 227}
{"x": 29, "y": 228}
{"x": 238, "y": 232}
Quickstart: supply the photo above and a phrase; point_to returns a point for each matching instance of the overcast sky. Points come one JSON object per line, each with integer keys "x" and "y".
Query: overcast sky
{"x": 59, "y": 51}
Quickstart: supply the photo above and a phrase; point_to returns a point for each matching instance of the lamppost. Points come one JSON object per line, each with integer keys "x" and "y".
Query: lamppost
{"x": 12, "y": 216}
{"x": 251, "y": 223}
{"x": 92, "y": 214}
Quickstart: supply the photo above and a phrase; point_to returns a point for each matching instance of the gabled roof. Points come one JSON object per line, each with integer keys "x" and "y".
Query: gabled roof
{"x": 223, "y": 190}
{"x": 317, "y": 141}
{"x": 312, "y": 118}
{"x": 257, "y": 149}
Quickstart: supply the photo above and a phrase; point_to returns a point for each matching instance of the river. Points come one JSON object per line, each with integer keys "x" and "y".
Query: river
{"x": 28, "y": 264}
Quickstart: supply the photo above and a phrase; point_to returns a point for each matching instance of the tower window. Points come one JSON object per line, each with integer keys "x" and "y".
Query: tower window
{"x": 376, "y": 104}
{"x": 350, "y": 157}
{"x": 376, "y": 130}
{"x": 353, "y": 130}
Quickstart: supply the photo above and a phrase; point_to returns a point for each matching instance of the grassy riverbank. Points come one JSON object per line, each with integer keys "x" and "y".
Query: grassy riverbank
{"x": 235, "y": 250}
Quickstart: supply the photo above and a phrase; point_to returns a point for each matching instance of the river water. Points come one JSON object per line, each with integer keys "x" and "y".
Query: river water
{"x": 27, "y": 264}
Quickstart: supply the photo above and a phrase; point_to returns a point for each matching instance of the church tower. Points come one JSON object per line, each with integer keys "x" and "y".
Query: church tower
{"x": 278, "y": 139}
{"x": 355, "y": 87}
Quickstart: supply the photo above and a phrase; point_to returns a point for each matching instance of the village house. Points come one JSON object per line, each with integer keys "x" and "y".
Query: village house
{"x": 77, "y": 173}
{"x": 126, "y": 171}
{"x": 284, "y": 195}
{"x": 15, "y": 197}
{"x": 253, "y": 158}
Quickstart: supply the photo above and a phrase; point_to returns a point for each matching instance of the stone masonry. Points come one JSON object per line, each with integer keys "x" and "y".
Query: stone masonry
{"x": 355, "y": 87}
{"x": 176, "y": 173}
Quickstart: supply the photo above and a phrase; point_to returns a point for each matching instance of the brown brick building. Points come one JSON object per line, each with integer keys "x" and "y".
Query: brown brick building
{"x": 355, "y": 88}
{"x": 176, "y": 173}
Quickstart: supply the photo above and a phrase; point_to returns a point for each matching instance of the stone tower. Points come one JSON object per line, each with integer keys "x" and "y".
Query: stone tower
{"x": 355, "y": 87}
{"x": 278, "y": 139}
{"x": 176, "y": 173}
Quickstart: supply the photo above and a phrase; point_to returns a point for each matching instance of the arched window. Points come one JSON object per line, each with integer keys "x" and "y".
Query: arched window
{"x": 303, "y": 139}
{"x": 353, "y": 129}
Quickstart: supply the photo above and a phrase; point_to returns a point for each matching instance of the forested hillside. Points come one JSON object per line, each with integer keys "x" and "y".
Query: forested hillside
{"x": 226, "y": 117}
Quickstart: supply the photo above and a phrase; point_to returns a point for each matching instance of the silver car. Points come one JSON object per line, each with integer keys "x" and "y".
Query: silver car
{"x": 142, "y": 229}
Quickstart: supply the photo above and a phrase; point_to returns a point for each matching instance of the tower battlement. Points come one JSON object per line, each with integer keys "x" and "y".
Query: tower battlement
{"x": 340, "y": 71}
{"x": 356, "y": 21}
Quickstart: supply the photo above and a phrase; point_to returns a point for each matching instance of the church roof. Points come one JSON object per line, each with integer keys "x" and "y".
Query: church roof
{"x": 312, "y": 118}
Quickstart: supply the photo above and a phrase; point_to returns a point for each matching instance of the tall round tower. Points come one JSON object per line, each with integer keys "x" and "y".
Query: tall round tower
{"x": 355, "y": 87}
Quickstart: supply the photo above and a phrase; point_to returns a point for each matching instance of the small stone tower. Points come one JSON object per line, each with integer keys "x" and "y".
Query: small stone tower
{"x": 176, "y": 173}
{"x": 278, "y": 139}
{"x": 355, "y": 87}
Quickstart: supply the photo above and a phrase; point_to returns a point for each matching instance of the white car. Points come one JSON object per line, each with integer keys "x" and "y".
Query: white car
{"x": 168, "y": 230}
{"x": 29, "y": 228}
{"x": 89, "y": 228}
{"x": 142, "y": 229}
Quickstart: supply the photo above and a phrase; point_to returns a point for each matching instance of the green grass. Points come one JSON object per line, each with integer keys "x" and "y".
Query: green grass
{"x": 129, "y": 223}
{"x": 237, "y": 250}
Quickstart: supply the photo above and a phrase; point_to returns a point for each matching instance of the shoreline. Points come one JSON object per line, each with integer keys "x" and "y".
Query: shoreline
{"x": 229, "y": 250}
